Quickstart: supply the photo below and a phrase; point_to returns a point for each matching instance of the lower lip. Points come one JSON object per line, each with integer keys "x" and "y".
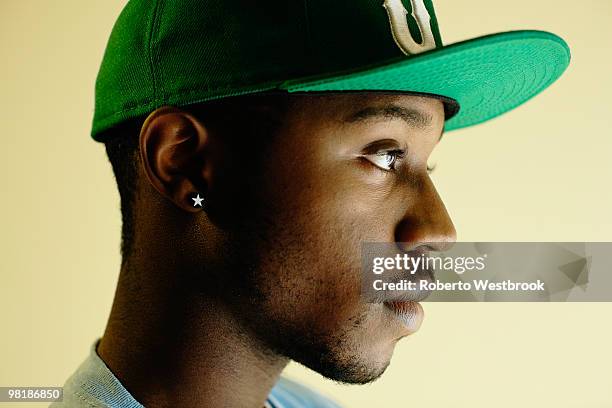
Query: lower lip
{"x": 409, "y": 313}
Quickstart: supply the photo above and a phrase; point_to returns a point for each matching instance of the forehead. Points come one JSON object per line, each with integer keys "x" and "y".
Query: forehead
{"x": 350, "y": 107}
{"x": 344, "y": 122}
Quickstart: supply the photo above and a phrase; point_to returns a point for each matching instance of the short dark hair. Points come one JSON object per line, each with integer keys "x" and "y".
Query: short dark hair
{"x": 257, "y": 115}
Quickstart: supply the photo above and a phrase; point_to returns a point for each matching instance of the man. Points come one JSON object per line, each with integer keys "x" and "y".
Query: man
{"x": 256, "y": 146}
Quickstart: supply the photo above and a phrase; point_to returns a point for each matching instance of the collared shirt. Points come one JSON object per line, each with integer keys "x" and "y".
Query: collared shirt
{"x": 93, "y": 385}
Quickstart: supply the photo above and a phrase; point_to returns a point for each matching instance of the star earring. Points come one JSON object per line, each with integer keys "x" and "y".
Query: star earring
{"x": 198, "y": 202}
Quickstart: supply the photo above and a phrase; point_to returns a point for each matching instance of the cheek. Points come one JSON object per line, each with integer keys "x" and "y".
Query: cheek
{"x": 312, "y": 273}
{"x": 324, "y": 274}
{"x": 313, "y": 236}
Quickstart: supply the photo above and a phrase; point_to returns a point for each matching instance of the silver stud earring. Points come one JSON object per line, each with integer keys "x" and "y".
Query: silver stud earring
{"x": 198, "y": 202}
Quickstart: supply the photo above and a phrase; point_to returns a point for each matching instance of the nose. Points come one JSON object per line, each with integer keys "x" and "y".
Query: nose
{"x": 426, "y": 222}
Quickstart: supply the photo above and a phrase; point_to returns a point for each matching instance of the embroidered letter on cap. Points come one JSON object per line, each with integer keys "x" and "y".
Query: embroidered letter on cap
{"x": 399, "y": 26}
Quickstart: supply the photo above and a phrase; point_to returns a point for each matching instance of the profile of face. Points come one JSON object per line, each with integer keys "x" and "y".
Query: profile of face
{"x": 285, "y": 219}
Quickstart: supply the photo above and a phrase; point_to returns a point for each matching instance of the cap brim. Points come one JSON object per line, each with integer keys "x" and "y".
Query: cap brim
{"x": 487, "y": 76}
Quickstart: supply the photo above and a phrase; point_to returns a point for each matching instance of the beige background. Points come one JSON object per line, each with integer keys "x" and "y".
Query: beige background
{"x": 540, "y": 173}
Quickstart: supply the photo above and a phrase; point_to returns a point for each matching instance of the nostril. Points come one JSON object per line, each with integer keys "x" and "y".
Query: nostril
{"x": 406, "y": 234}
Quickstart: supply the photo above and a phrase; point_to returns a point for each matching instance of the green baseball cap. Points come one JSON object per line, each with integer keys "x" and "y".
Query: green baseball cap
{"x": 181, "y": 52}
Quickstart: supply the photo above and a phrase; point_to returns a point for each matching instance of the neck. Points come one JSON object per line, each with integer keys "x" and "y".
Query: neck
{"x": 171, "y": 346}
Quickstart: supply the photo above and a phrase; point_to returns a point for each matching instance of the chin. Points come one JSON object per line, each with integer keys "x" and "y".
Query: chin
{"x": 356, "y": 373}
{"x": 352, "y": 365}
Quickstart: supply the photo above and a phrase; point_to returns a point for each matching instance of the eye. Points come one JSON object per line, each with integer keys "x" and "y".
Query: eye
{"x": 386, "y": 159}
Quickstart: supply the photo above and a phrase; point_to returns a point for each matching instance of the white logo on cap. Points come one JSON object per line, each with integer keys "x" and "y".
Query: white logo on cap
{"x": 399, "y": 26}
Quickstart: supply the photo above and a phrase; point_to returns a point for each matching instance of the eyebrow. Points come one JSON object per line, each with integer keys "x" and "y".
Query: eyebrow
{"x": 413, "y": 117}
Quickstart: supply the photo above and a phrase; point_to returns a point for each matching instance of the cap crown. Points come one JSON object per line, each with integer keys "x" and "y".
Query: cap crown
{"x": 179, "y": 52}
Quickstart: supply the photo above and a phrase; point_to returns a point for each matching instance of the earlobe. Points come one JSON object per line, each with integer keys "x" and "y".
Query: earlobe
{"x": 172, "y": 147}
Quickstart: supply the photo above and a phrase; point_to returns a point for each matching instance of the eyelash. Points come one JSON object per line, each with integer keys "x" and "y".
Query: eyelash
{"x": 398, "y": 154}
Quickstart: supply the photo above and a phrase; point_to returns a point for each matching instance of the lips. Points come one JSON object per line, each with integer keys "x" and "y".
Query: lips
{"x": 401, "y": 292}
{"x": 413, "y": 295}
{"x": 404, "y": 304}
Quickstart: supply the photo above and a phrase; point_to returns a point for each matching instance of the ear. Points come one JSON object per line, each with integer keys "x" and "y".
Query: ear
{"x": 172, "y": 148}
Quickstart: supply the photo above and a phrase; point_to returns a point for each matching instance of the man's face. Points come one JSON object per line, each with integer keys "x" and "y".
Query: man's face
{"x": 342, "y": 170}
